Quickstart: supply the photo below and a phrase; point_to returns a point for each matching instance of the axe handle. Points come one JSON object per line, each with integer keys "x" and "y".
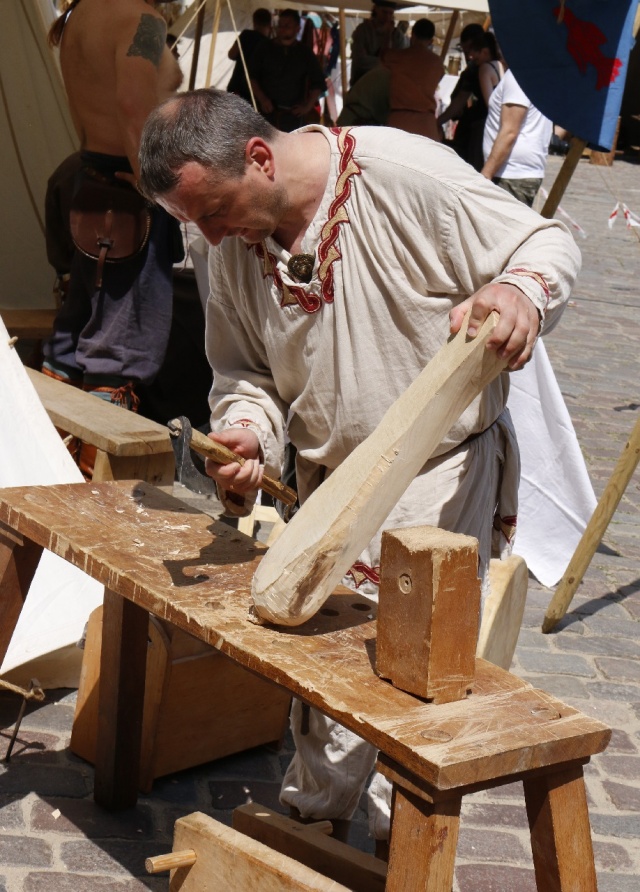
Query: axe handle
{"x": 206, "y": 446}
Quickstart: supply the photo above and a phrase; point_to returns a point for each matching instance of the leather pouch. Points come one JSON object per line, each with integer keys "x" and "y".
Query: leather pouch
{"x": 109, "y": 222}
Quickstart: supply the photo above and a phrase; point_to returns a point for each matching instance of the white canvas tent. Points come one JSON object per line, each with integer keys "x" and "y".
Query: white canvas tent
{"x": 36, "y": 134}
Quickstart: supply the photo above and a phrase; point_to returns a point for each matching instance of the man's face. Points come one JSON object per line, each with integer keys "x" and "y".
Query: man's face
{"x": 287, "y": 30}
{"x": 248, "y": 207}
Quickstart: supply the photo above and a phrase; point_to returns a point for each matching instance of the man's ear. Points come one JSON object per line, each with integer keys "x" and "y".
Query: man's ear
{"x": 259, "y": 152}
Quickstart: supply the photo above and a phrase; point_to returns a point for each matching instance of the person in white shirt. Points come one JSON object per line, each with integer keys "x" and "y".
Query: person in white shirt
{"x": 516, "y": 141}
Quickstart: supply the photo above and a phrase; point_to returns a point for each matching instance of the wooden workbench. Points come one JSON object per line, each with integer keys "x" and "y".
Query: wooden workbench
{"x": 155, "y": 554}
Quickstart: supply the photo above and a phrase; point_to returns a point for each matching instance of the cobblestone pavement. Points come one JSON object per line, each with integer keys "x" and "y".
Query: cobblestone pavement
{"x": 53, "y": 838}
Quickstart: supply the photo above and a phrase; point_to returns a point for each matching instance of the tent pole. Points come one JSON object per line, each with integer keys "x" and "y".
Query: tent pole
{"x": 214, "y": 35}
{"x": 342, "y": 20}
{"x": 453, "y": 23}
{"x": 562, "y": 180}
{"x": 196, "y": 47}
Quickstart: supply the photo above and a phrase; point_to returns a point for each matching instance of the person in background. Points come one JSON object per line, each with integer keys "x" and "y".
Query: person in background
{"x": 484, "y": 53}
{"x": 415, "y": 75}
{"x": 516, "y": 141}
{"x": 372, "y": 37}
{"x": 464, "y": 107}
{"x": 367, "y": 102}
{"x": 249, "y": 40}
{"x": 112, "y": 330}
{"x": 286, "y": 77}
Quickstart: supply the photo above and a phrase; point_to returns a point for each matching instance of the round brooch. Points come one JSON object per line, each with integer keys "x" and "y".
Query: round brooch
{"x": 300, "y": 266}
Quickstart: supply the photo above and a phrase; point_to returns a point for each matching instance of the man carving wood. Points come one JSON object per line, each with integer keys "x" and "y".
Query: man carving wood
{"x": 402, "y": 240}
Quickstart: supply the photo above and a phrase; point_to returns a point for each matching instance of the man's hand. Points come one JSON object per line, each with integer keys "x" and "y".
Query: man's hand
{"x": 517, "y": 328}
{"x": 240, "y": 479}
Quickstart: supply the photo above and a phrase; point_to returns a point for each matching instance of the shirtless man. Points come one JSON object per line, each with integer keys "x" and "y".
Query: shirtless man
{"x": 112, "y": 330}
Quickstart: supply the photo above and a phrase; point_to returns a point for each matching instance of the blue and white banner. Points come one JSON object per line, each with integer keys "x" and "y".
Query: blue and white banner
{"x": 570, "y": 57}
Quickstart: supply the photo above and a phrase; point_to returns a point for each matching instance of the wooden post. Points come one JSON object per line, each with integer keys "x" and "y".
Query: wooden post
{"x": 19, "y": 560}
{"x": 342, "y": 19}
{"x": 122, "y": 676}
{"x": 196, "y": 46}
{"x": 562, "y": 180}
{"x": 453, "y": 21}
{"x": 596, "y": 528}
{"x": 428, "y": 612}
{"x": 214, "y": 36}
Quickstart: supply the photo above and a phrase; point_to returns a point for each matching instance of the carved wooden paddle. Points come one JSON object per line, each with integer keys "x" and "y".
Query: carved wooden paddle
{"x": 336, "y": 523}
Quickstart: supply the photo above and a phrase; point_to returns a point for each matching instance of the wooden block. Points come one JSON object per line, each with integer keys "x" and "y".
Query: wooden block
{"x": 18, "y": 564}
{"x": 229, "y": 861}
{"x": 503, "y": 610}
{"x": 198, "y": 706}
{"x": 428, "y": 612}
{"x": 335, "y": 859}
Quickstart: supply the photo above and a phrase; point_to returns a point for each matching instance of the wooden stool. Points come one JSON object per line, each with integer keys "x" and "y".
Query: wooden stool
{"x": 161, "y": 556}
{"x": 129, "y": 446}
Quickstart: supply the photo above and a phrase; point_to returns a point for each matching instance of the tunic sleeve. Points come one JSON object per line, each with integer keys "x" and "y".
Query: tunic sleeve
{"x": 243, "y": 392}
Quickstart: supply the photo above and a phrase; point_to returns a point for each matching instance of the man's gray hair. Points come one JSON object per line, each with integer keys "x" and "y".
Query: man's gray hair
{"x": 208, "y": 126}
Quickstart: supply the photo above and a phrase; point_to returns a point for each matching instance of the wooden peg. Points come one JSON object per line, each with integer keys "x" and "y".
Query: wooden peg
{"x": 172, "y": 861}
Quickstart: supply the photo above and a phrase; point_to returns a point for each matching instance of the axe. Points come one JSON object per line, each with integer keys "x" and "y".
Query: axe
{"x": 209, "y": 448}
{"x": 339, "y": 519}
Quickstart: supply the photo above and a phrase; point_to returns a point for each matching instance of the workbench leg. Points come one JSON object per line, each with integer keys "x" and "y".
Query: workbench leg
{"x": 18, "y": 563}
{"x": 424, "y": 837}
{"x": 560, "y": 831}
{"x": 123, "y": 659}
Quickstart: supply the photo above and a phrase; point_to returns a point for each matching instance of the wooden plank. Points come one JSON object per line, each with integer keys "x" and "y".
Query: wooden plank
{"x": 121, "y": 698}
{"x": 110, "y": 428}
{"x": 229, "y": 861}
{"x": 196, "y": 573}
{"x": 428, "y": 612}
{"x": 503, "y": 610}
{"x": 18, "y": 564}
{"x": 335, "y": 859}
{"x": 340, "y": 518}
{"x": 158, "y": 469}
{"x": 560, "y": 832}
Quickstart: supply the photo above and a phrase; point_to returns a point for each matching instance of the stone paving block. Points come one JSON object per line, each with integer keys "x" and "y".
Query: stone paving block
{"x": 617, "y": 882}
{"x": 23, "y": 851}
{"x": 621, "y": 742}
{"x": 555, "y": 663}
{"x": 611, "y": 856}
{"x": 619, "y": 670}
{"x": 603, "y": 690}
{"x": 491, "y": 845}
{"x": 3, "y": 884}
{"x": 615, "y": 826}
{"x": 84, "y": 816}
{"x": 11, "y": 817}
{"x": 512, "y": 817}
{"x": 47, "y": 780}
{"x": 563, "y": 687}
{"x": 621, "y": 628}
{"x": 494, "y": 878}
{"x": 599, "y": 645}
{"x": 109, "y": 856}
{"x": 55, "y": 881}
{"x": 623, "y": 796}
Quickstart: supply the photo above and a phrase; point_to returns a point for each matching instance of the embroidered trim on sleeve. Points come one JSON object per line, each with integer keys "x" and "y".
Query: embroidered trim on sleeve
{"x": 361, "y": 572}
{"x": 530, "y": 274}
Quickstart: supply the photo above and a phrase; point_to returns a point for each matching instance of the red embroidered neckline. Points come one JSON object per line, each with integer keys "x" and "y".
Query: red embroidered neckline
{"x": 328, "y": 251}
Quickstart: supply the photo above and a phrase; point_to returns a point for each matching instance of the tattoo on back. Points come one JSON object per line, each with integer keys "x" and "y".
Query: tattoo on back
{"x": 149, "y": 39}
